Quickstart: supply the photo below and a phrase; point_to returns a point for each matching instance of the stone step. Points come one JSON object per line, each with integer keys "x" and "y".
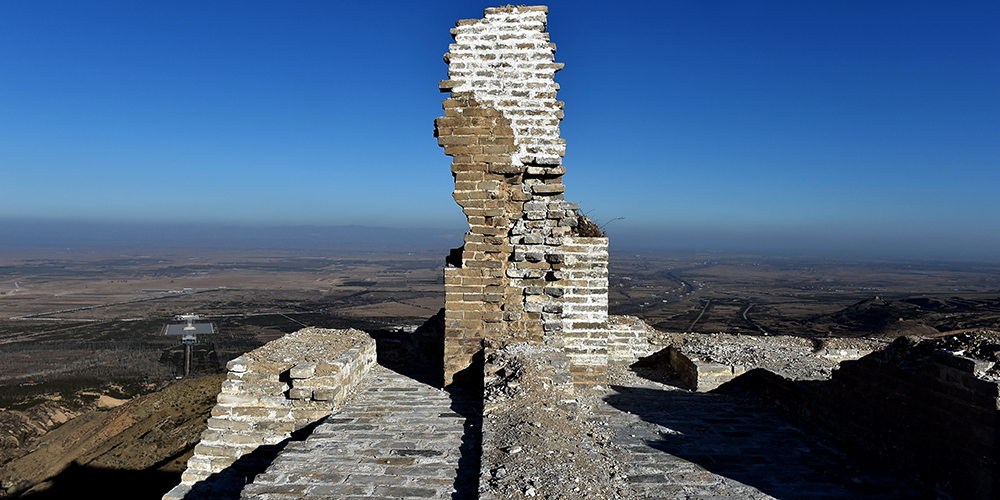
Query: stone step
{"x": 399, "y": 438}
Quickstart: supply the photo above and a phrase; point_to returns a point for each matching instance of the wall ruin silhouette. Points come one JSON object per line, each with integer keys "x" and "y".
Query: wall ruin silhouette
{"x": 928, "y": 414}
{"x": 522, "y": 274}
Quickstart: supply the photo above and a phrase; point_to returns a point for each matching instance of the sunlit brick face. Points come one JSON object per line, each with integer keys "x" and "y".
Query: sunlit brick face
{"x": 521, "y": 276}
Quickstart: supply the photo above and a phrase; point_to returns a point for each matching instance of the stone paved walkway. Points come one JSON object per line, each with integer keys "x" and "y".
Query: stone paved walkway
{"x": 399, "y": 439}
{"x": 682, "y": 445}
{"x": 403, "y": 439}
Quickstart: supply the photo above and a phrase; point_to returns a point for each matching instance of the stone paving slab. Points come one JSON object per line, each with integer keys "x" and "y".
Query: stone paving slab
{"x": 403, "y": 439}
{"x": 399, "y": 439}
{"x": 682, "y": 445}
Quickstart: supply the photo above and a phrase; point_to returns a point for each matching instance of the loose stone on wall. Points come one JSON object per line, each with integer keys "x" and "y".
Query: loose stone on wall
{"x": 272, "y": 392}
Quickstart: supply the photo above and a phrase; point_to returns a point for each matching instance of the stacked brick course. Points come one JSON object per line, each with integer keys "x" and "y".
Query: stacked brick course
{"x": 585, "y": 308}
{"x": 628, "y": 340}
{"x": 521, "y": 275}
{"x": 268, "y": 394}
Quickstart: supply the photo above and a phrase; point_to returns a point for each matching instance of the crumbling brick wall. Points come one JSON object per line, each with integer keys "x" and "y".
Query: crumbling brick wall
{"x": 269, "y": 393}
{"x": 934, "y": 419}
{"x": 521, "y": 275}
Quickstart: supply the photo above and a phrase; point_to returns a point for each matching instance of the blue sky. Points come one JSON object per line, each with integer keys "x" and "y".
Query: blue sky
{"x": 864, "y": 125}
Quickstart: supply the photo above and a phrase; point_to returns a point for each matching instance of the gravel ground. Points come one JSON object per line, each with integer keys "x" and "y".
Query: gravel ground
{"x": 791, "y": 357}
{"x": 546, "y": 446}
{"x": 309, "y": 344}
{"x": 538, "y": 446}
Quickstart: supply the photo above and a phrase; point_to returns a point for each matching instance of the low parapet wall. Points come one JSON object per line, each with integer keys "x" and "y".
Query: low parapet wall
{"x": 936, "y": 419}
{"x": 270, "y": 393}
{"x": 699, "y": 375}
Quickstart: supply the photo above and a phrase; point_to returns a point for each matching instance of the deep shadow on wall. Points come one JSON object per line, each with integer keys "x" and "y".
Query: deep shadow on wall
{"x": 932, "y": 419}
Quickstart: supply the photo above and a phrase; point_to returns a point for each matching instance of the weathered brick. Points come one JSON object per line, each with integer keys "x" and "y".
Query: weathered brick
{"x": 502, "y": 109}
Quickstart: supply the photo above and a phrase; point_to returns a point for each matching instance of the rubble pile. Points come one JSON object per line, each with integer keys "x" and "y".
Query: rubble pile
{"x": 794, "y": 358}
{"x": 535, "y": 443}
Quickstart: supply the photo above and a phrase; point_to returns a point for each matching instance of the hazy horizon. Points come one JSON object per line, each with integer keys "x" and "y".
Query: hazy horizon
{"x": 851, "y": 128}
{"x": 27, "y": 235}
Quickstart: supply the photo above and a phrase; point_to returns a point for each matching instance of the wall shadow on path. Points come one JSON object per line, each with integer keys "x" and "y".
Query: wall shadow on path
{"x": 420, "y": 356}
{"x": 411, "y": 355}
{"x": 740, "y": 438}
{"x": 228, "y": 483}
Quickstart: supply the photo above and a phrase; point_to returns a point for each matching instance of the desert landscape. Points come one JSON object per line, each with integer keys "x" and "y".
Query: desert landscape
{"x": 100, "y": 316}
{"x": 81, "y": 334}
{"x": 805, "y": 297}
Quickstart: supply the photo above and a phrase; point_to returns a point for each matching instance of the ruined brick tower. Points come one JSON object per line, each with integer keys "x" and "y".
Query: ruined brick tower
{"x": 522, "y": 275}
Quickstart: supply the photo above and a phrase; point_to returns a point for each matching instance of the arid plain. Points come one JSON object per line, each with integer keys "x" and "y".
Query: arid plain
{"x": 96, "y": 316}
{"x": 805, "y": 297}
{"x": 81, "y": 333}
{"x": 100, "y": 315}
